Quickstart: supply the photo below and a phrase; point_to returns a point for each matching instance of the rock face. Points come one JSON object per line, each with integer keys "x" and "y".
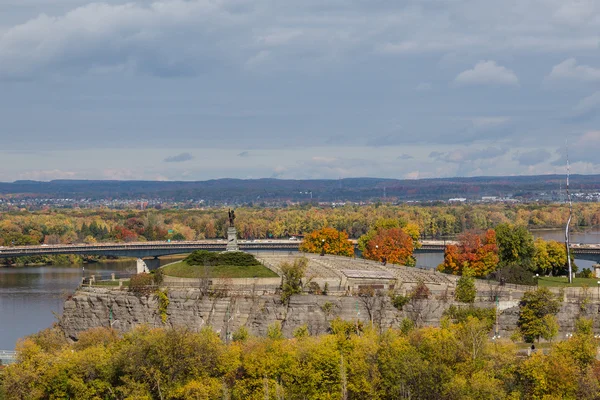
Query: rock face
{"x": 92, "y": 307}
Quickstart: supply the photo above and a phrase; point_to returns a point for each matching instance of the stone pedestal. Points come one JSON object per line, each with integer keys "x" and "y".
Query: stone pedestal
{"x": 232, "y": 244}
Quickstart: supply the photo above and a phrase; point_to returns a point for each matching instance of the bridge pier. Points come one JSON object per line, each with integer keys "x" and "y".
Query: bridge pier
{"x": 141, "y": 266}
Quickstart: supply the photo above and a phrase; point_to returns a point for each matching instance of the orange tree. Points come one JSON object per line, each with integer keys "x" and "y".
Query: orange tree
{"x": 478, "y": 252}
{"x": 394, "y": 244}
{"x": 329, "y": 240}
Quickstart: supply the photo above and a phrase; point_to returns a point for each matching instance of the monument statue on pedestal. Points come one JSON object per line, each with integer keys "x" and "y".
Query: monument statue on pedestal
{"x": 231, "y": 218}
{"x": 232, "y": 244}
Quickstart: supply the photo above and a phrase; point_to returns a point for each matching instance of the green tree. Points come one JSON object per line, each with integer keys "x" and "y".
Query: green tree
{"x": 465, "y": 289}
{"x": 292, "y": 274}
{"x": 537, "y": 311}
{"x": 515, "y": 245}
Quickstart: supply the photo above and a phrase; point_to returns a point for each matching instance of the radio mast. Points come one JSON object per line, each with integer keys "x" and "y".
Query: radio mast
{"x": 567, "y": 244}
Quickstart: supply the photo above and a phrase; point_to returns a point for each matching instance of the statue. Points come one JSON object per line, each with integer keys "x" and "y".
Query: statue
{"x": 231, "y": 218}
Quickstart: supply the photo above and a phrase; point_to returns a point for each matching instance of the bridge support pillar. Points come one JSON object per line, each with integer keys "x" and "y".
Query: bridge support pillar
{"x": 141, "y": 266}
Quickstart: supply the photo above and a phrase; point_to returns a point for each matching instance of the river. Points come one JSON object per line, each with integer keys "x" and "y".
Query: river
{"x": 30, "y": 297}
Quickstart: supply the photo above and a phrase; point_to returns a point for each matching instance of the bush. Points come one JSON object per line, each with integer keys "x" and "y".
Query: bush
{"x": 399, "y": 301}
{"x": 241, "y": 335}
{"x": 515, "y": 273}
{"x": 141, "y": 283}
{"x": 420, "y": 291}
{"x": 585, "y": 273}
{"x": 235, "y": 258}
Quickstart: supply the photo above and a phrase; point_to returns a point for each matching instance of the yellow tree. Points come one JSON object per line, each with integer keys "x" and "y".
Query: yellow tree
{"x": 328, "y": 241}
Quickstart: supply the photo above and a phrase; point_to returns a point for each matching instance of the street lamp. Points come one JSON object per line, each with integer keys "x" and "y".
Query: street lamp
{"x": 598, "y": 290}
{"x": 322, "y": 247}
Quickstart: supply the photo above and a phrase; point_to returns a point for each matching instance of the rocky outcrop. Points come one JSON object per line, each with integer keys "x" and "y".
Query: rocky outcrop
{"x": 93, "y": 307}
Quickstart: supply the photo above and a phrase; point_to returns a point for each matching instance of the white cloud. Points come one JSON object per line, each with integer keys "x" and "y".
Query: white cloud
{"x": 569, "y": 69}
{"x": 487, "y": 73}
{"x": 586, "y": 108}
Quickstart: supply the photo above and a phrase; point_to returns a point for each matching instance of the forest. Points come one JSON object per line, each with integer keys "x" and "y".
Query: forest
{"x": 454, "y": 361}
{"x": 435, "y": 221}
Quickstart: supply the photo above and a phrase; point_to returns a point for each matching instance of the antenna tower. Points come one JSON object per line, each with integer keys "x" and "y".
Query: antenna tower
{"x": 567, "y": 243}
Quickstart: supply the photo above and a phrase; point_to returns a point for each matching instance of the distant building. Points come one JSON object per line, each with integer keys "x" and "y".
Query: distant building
{"x": 457, "y": 200}
{"x": 489, "y": 198}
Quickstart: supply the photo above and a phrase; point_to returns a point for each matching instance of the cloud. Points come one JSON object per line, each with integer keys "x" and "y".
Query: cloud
{"x": 179, "y": 158}
{"x": 569, "y": 69}
{"x": 244, "y": 154}
{"x": 532, "y": 157}
{"x": 47, "y": 175}
{"x": 137, "y": 37}
{"x": 587, "y": 108}
{"x": 405, "y": 157}
{"x": 487, "y": 73}
{"x": 585, "y": 148}
{"x": 468, "y": 155}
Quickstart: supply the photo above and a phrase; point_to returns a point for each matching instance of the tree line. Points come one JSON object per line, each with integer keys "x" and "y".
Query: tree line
{"x": 454, "y": 361}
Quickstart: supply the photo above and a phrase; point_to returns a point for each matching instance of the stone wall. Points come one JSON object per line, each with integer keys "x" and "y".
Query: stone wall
{"x": 91, "y": 307}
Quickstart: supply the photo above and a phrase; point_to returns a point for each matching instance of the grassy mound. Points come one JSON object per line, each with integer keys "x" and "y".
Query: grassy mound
{"x": 206, "y": 264}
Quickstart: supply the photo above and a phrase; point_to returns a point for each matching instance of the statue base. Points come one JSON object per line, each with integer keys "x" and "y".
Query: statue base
{"x": 232, "y": 243}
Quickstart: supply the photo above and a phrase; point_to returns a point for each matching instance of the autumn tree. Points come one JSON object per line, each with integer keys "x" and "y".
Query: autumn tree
{"x": 392, "y": 245}
{"x": 328, "y": 241}
{"x": 550, "y": 257}
{"x": 477, "y": 252}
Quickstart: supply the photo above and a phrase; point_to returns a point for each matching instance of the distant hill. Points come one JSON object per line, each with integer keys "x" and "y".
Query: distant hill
{"x": 259, "y": 190}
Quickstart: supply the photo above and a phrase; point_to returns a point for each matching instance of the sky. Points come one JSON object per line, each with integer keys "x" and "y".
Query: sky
{"x": 297, "y": 89}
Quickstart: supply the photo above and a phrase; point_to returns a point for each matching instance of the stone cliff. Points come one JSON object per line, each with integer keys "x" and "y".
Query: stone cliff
{"x": 93, "y": 307}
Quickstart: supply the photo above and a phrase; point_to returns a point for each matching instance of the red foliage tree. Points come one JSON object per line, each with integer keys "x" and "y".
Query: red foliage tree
{"x": 393, "y": 245}
{"x": 478, "y": 252}
{"x": 123, "y": 234}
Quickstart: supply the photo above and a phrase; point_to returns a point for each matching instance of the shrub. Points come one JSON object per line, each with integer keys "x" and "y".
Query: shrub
{"x": 141, "y": 283}
{"x": 585, "y": 273}
{"x": 420, "y": 291}
{"x": 274, "y": 331}
{"x": 399, "y": 301}
{"x": 163, "y": 304}
{"x": 314, "y": 288}
{"x": 515, "y": 273}
{"x": 301, "y": 332}
{"x": 159, "y": 276}
{"x": 241, "y": 334}
{"x": 236, "y": 258}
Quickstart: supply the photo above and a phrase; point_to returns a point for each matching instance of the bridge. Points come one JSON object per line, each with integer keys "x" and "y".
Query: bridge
{"x": 7, "y": 357}
{"x": 589, "y": 252}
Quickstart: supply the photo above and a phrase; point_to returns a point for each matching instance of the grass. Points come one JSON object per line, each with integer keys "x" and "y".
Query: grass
{"x": 552, "y": 281}
{"x": 183, "y": 270}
